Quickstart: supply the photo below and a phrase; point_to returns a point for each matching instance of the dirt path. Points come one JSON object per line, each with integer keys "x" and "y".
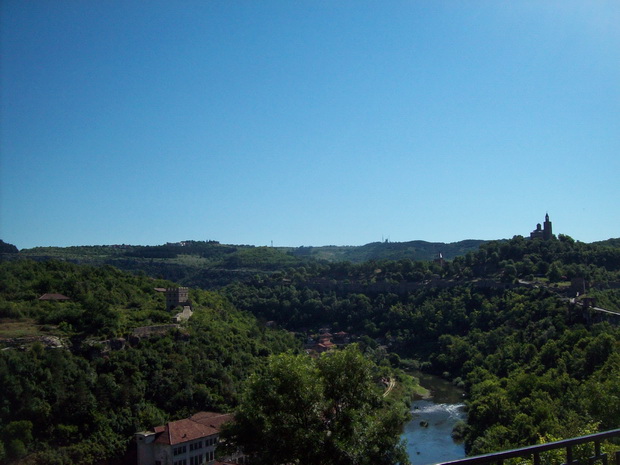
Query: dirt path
{"x": 391, "y": 385}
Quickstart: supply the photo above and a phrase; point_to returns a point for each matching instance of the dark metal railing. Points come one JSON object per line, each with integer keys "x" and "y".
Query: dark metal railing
{"x": 533, "y": 453}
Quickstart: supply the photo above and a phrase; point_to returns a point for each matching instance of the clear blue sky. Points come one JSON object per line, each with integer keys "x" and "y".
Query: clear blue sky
{"x": 307, "y": 122}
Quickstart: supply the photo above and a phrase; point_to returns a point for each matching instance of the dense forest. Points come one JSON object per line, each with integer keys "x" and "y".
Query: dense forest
{"x": 511, "y": 322}
{"x": 83, "y": 405}
{"x": 317, "y": 411}
{"x": 499, "y": 322}
{"x": 210, "y": 265}
{"x": 80, "y": 376}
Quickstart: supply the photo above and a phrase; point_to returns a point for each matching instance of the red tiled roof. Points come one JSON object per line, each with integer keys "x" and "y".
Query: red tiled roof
{"x": 197, "y": 426}
{"x": 322, "y": 347}
{"x": 54, "y": 297}
{"x": 215, "y": 420}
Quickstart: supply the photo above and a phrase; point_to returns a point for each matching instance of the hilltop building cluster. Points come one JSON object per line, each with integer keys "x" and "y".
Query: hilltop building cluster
{"x": 545, "y": 232}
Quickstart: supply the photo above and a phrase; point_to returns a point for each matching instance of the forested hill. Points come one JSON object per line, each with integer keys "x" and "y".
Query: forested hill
{"x": 100, "y": 372}
{"x": 609, "y": 243}
{"x": 509, "y": 323}
{"x": 305, "y": 296}
{"x": 413, "y": 250}
{"x": 211, "y": 264}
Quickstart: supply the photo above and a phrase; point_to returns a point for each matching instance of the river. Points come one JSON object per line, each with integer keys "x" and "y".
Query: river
{"x": 433, "y": 443}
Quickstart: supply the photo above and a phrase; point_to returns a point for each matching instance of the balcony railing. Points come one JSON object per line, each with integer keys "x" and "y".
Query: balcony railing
{"x": 535, "y": 454}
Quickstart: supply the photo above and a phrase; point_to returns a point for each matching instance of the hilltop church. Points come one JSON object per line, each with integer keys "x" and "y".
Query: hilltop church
{"x": 545, "y": 233}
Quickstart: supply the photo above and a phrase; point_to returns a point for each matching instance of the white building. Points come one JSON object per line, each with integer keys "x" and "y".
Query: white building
{"x": 191, "y": 441}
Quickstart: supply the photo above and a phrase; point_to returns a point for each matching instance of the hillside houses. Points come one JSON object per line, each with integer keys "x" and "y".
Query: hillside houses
{"x": 326, "y": 341}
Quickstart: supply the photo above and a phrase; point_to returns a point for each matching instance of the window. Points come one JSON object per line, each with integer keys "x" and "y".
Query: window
{"x": 179, "y": 450}
{"x": 195, "y": 446}
{"x": 196, "y": 460}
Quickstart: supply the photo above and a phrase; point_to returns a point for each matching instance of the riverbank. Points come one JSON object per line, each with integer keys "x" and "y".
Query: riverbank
{"x": 406, "y": 388}
{"x": 440, "y": 389}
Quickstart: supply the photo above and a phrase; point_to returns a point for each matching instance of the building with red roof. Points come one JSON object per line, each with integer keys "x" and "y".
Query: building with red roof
{"x": 191, "y": 441}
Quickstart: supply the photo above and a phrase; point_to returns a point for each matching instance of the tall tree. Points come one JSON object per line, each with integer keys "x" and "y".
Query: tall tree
{"x": 325, "y": 411}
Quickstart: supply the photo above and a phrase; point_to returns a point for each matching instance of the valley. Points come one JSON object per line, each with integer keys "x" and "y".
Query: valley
{"x": 514, "y": 324}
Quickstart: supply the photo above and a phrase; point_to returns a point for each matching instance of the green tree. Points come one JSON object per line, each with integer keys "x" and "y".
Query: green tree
{"x": 554, "y": 274}
{"x": 325, "y": 411}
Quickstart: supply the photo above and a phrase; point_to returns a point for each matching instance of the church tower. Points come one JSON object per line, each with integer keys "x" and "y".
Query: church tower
{"x": 547, "y": 231}
{"x": 543, "y": 232}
